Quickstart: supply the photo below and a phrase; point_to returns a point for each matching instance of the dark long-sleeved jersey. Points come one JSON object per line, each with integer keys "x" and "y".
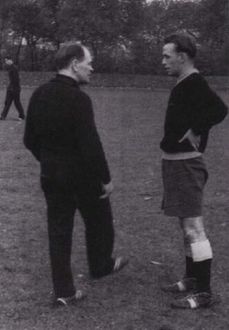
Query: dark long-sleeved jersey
{"x": 192, "y": 105}
{"x": 60, "y": 121}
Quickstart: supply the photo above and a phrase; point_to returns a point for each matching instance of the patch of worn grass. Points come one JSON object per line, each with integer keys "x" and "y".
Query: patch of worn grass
{"x": 130, "y": 123}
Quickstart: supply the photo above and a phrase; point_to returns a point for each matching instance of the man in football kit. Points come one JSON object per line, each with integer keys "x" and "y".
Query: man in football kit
{"x": 193, "y": 108}
{"x": 60, "y": 132}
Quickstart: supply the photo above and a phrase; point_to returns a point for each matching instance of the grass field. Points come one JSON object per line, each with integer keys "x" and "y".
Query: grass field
{"x": 130, "y": 124}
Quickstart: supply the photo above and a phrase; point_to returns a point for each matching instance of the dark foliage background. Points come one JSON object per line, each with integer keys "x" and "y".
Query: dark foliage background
{"x": 125, "y": 36}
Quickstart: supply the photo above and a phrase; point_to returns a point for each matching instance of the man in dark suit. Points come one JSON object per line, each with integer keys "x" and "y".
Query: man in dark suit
{"x": 13, "y": 90}
{"x": 61, "y": 133}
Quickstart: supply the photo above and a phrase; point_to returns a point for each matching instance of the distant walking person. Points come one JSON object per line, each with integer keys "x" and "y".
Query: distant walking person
{"x": 193, "y": 108}
{"x": 61, "y": 133}
{"x": 13, "y": 90}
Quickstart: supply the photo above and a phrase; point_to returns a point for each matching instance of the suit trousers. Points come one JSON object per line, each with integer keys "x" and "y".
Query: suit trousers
{"x": 99, "y": 232}
{"x": 13, "y": 95}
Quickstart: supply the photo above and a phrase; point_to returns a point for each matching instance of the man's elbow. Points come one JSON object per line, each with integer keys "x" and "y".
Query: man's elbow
{"x": 224, "y": 112}
{"x": 35, "y": 151}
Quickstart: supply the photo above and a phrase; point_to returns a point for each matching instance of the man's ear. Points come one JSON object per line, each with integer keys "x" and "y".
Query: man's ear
{"x": 183, "y": 57}
{"x": 74, "y": 64}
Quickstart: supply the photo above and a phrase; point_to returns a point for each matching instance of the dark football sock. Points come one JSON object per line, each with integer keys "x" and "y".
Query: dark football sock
{"x": 203, "y": 275}
{"x": 190, "y": 271}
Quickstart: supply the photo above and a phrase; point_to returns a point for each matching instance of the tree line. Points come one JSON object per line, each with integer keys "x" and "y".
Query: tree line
{"x": 125, "y": 36}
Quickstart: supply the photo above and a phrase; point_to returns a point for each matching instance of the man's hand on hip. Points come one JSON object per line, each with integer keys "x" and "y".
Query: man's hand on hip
{"x": 193, "y": 139}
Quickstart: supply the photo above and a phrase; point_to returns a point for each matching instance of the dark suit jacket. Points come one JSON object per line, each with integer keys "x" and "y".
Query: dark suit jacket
{"x": 14, "y": 80}
{"x": 61, "y": 133}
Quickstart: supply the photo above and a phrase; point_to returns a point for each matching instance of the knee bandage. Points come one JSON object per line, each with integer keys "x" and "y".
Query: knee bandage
{"x": 201, "y": 251}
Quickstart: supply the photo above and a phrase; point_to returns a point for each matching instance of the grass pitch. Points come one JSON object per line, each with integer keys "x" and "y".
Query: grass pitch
{"x": 130, "y": 124}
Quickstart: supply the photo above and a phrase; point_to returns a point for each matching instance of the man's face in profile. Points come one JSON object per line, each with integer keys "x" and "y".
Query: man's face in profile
{"x": 83, "y": 68}
{"x": 171, "y": 60}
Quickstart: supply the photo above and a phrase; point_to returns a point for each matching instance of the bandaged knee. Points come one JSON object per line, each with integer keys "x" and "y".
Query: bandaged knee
{"x": 201, "y": 251}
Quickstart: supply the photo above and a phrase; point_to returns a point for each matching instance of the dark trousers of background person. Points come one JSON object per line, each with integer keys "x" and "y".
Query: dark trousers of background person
{"x": 13, "y": 95}
{"x": 61, "y": 207}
